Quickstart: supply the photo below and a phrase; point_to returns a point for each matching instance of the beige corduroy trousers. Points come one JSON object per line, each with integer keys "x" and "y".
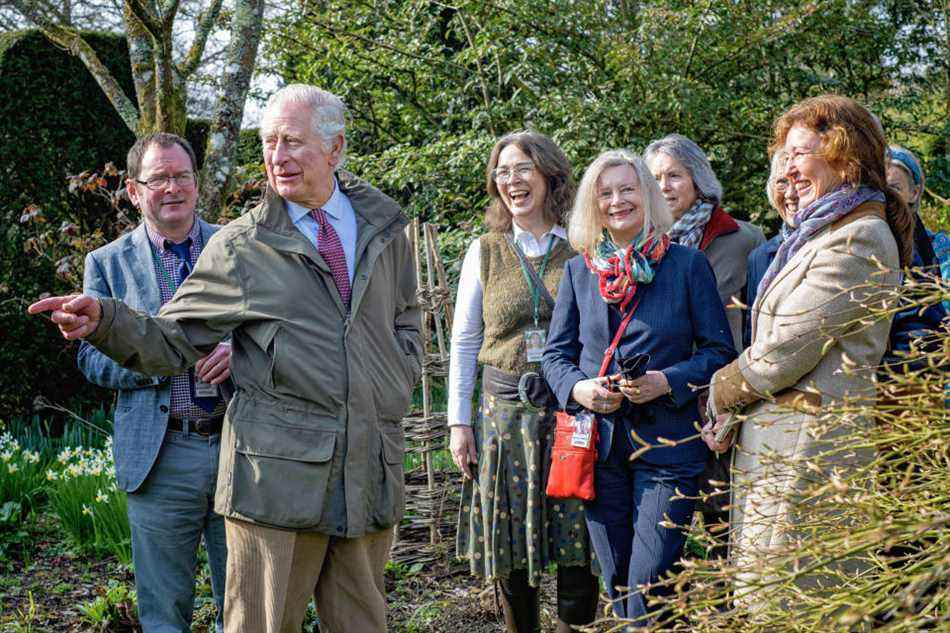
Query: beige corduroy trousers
{"x": 273, "y": 573}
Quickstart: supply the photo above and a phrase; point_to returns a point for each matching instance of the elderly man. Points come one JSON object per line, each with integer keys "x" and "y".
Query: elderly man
{"x": 317, "y": 287}
{"x": 167, "y": 431}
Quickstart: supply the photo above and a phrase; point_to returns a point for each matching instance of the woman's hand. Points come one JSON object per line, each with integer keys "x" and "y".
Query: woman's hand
{"x": 462, "y": 447}
{"x": 710, "y": 429}
{"x": 647, "y": 387}
{"x": 593, "y": 395}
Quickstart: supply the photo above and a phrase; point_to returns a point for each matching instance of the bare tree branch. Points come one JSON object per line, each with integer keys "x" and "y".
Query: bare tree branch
{"x": 205, "y": 23}
{"x": 169, "y": 10}
{"x": 226, "y": 124}
{"x": 145, "y": 15}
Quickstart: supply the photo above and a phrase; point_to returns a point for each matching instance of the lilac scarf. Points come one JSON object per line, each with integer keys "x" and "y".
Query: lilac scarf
{"x": 813, "y": 218}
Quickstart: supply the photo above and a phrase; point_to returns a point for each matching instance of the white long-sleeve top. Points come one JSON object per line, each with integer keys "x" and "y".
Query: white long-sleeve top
{"x": 468, "y": 327}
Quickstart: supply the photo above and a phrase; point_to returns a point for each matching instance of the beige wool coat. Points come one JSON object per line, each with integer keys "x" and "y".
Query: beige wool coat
{"x": 812, "y": 321}
{"x": 312, "y": 439}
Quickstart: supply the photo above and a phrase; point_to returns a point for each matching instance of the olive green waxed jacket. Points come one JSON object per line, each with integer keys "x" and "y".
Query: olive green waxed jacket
{"x": 312, "y": 439}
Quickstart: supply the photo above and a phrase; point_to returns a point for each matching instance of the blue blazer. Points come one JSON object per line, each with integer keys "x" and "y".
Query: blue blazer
{"x": 680, "y": 322}
{"x": 124, "y": 269}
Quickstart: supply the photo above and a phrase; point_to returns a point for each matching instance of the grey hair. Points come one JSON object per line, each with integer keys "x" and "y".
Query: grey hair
{"x": 585, "y": 228}
{"x": 327, "y": 109}
{"x": 776, "y": 172}
{"x": 693, "y": 159}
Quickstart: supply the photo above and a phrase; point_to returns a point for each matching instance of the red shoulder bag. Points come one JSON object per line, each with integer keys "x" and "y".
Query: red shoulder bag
{"x": 574, "y": 452}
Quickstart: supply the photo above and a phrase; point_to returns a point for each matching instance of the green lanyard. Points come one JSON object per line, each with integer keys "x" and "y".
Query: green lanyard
{"x": 536, "y": 292}
{"x": 161, "y": 268}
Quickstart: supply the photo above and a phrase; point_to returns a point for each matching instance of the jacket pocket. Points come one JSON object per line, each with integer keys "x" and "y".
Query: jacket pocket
{"x": 265, "y": 337}
{"x": 280, "y": 474}
{"x": 392, "y": 501}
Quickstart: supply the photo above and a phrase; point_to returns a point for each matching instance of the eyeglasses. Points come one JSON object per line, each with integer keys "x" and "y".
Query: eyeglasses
{"x": 795, "y": 154}
{"x": 157, "y": 183}
{"x": 503, "y": 175}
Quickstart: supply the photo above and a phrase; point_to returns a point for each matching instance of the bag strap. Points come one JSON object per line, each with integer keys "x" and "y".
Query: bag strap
{"x": 535, "y": 279}
{"x": 609, "y": 354}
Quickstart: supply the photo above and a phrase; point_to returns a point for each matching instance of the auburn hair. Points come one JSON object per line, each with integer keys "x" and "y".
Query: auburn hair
{"x": 853, "y": 145}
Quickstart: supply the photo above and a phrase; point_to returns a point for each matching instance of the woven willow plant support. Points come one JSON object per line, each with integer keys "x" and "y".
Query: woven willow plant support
{"x": 429, "y": 490}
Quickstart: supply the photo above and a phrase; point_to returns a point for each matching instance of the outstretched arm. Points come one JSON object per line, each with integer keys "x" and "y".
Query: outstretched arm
{"x": 98, "y": 368}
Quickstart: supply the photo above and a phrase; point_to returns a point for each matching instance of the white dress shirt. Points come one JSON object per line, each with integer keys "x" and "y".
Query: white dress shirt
{"x": 342, "y": 218}
{"x": 468, "y": 328}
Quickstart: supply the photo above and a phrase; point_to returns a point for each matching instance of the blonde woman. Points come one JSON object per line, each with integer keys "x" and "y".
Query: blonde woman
{"x": 662, "y": 299}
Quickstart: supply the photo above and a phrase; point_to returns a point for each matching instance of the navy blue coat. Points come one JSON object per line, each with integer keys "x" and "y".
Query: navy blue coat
{"x": 680, "y": 322}
{"x": 911, "y": 323}
{"x": 758, "y": 262}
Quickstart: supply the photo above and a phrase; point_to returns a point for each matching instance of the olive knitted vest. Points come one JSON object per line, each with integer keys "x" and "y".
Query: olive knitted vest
{"x": 507, "y": 310}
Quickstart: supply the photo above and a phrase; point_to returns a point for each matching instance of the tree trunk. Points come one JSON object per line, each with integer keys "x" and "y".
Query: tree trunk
{"x": 246, "y": 26}
{"x": 170, "y": 113}
{"x": 142, "y": 61}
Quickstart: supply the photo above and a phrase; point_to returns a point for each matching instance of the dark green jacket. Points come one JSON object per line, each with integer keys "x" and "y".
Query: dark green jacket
{"x": 312, "y": 439}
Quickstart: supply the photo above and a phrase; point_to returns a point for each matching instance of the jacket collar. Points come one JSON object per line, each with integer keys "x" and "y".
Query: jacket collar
{"x": 139, "y": 254}
{"x": 720, "y": 223}
{"x": 370, "y": 205}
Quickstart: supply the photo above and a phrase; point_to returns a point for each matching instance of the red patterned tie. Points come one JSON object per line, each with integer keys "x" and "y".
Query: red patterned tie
{"x": 331, "y": 249}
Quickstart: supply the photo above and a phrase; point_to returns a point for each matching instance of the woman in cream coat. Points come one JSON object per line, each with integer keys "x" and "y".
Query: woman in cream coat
{"x": 816, "y": 339}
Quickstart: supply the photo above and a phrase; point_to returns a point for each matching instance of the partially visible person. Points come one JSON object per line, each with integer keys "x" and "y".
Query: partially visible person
{"x": 508, "y": 530}
{"x": 784, "y": 199}
{"x": 694, "y": 196}
{"x": 633, "y": 286}
{"x": 915, "y": 325}
{"x": 851, "y": 232}
{"x": 167, "y": 435}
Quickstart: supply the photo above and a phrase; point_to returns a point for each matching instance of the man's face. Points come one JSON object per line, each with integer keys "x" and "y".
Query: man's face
{"x": 298, "y": 166}
{"x": 170, "y": 194}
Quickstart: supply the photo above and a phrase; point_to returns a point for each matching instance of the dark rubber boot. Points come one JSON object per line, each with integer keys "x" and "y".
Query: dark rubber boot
{"x": 577, "y": 595}
{"x": 520, "y": 603}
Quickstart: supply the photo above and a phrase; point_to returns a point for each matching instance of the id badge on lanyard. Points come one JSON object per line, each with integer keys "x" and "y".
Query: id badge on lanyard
{"x": 205, "y": 389}
{"x": 535, "y": 337}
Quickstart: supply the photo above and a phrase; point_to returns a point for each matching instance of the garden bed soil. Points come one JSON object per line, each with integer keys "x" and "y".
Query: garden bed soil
{"x": 439, "y": 598}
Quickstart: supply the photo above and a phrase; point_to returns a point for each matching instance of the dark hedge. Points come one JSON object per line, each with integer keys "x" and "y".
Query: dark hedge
{"x": 54, "y": 121}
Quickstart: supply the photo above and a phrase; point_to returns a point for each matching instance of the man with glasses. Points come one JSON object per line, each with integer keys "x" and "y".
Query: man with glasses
{"x": 167, "y": 429}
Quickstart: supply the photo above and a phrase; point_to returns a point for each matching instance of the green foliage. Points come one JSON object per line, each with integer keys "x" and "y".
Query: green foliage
{"x": 54, "y": 121}
{"x": 92, "y": 510}
{"x": 39, "y": 434}
{"x": 430, "y": 86}
{"x": 116, "y": 605}
{"x": 21, "y": 480}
